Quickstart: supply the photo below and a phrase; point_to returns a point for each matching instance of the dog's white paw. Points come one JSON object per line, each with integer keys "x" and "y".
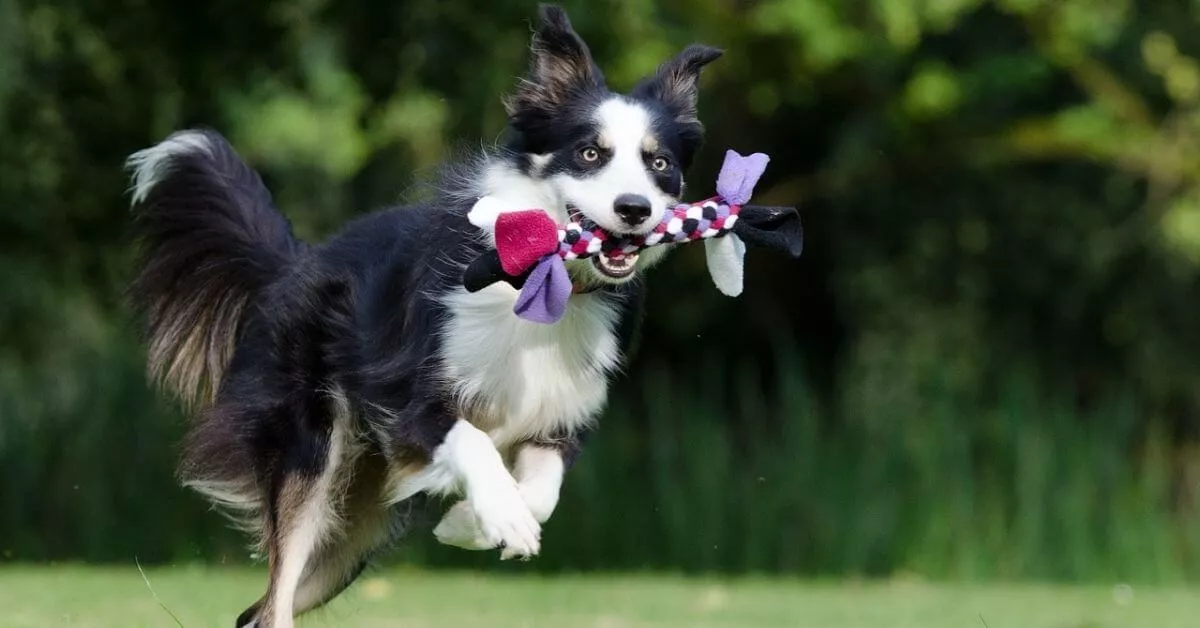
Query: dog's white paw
{"x": 504, "y": 519}
{"x": 459, "y": 528}
{"x": 508, "y": 554}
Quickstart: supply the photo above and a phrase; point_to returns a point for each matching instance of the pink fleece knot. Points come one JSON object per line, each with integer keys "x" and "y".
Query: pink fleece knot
{"x": 523, "y": 238}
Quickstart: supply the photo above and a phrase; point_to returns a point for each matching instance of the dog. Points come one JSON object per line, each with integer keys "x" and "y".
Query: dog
{"x": 333, "y": 386}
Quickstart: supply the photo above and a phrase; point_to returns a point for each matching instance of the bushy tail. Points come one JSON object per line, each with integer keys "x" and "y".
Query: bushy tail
{"x": 211, "y": 239}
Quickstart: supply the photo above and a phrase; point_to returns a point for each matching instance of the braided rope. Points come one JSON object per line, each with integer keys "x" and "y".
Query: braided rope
{"x": 710, "y": 218}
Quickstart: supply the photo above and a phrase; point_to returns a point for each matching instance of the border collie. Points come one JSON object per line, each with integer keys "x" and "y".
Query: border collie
{"x": 334, "y": 385}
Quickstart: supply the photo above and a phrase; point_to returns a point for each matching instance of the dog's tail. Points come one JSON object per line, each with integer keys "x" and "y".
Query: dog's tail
{"x": 211, "y": 240}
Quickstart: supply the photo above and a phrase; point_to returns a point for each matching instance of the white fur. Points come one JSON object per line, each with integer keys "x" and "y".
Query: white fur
{"x": 625, "y": 129}
{"x": 459, "y": 528}
{"x": 506, "y": 189}
{"x": 486, "y": 211}
{"x": 152, "y": 164}
{"x": 521, "y": 380}
{"x": 434, "y": 479}
{"x": 316, "y": 520}
{"x": 539, "y": 473}
{"x": 516, "y": 378}
{"x": 500, "y": 511}
{"x": 524, "y": 379}
{"x": 240, "y": 500}
{"x": 298, "y": 545}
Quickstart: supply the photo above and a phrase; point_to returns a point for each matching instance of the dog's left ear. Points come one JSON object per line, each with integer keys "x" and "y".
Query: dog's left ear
{"x": 560, "y": 65}
{"x": 675, "y": 82}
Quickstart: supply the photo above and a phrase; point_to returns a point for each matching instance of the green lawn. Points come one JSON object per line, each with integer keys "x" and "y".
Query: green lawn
{"x": 79, "y": 596}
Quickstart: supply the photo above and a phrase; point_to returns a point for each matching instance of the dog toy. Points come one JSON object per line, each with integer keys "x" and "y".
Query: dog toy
{"x": 531, "y": 249}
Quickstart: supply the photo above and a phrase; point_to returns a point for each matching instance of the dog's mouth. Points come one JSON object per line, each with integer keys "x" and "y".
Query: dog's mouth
{"x": 615, "y": 267}
{"x": 575, "y": 215}
{"x": 612, "y": 266}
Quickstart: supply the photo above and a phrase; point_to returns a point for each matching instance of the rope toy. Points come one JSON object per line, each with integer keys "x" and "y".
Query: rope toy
{"x": 531, "y": 249}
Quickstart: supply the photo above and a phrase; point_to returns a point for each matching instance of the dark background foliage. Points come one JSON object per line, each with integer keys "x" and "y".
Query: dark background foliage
{"x": 984, "y": 365}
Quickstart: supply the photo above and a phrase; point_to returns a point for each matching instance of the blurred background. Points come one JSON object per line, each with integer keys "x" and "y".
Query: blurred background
{"x": 986, "y": 365}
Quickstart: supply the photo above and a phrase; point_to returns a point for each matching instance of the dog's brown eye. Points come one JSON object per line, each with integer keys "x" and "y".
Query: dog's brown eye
{"x": 660, "y": 164}
{"x": 590, "y": 154}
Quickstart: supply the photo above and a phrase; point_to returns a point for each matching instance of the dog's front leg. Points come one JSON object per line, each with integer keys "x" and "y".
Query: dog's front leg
{"x": 539, "y": 470}
{"x": 495, "y": 512}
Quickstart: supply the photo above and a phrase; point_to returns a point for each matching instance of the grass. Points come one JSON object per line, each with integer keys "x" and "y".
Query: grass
{"x": 201, "y": 597}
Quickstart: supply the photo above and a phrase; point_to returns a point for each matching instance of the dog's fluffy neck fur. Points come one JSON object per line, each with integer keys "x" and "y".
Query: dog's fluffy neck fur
{"x": 519, "y": 380}
{"x": 506, "y": 174}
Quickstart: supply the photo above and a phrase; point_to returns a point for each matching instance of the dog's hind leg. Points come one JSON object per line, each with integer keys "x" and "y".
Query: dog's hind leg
{"x": 330, "y": 569}
{"x": 341, "y": 561}
{"x": 297, "y": 521}
{"x": 368, "y": 526}
{"x": 300, "y": 516}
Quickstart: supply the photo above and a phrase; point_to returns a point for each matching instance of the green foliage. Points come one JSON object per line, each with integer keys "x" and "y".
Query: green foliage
{"x": 985, "y": 365}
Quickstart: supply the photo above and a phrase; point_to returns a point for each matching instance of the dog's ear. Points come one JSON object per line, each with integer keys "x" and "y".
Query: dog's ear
{"x": 675, "y": 82}
{"x": 561, "y": 65}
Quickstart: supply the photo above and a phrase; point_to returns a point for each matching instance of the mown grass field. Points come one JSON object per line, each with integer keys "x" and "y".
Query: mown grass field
{"x": 112, "y": 597}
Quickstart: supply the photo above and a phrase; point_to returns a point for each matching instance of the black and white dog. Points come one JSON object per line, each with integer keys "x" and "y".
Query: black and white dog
{"x": 332, "y": 384}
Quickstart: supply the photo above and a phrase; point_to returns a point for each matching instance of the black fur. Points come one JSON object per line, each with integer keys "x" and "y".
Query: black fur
{"x": 353, "y": 313}
{"x": 675, "y": 84}
{"x": 212, "y": 239}
{"x": 561, "y": 74}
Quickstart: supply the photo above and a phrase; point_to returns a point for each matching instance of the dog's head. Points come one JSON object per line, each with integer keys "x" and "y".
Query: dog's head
{"x": 613, "y": 159}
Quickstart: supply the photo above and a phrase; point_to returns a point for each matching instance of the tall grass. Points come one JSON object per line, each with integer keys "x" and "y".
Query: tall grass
{"x": 1025, "y": 488}
{"x": 750, "y": 476}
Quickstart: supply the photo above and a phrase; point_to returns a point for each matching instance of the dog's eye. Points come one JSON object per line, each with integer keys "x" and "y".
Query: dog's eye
{"x": 589, "y": 154}
{"x": 660, "y": 164}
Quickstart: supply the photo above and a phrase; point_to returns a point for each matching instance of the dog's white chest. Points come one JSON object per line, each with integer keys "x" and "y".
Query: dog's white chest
{"x": 520, "y": 379}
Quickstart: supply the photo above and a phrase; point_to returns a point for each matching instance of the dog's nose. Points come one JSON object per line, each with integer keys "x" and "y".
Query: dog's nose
{"x": 633, "y": 209}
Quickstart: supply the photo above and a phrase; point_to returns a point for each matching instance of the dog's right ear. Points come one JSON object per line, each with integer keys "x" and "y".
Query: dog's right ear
{"x": 675, "y": 83}
{"x": 561, "y": 65}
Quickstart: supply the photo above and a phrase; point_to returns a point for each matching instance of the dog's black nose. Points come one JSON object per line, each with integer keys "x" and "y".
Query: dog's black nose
{"x": 633, "y": 209}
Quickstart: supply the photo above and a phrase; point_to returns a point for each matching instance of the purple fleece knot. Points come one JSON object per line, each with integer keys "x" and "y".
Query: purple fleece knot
{"x": 735, "y": 183}
{"x": 543, "y": 299}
